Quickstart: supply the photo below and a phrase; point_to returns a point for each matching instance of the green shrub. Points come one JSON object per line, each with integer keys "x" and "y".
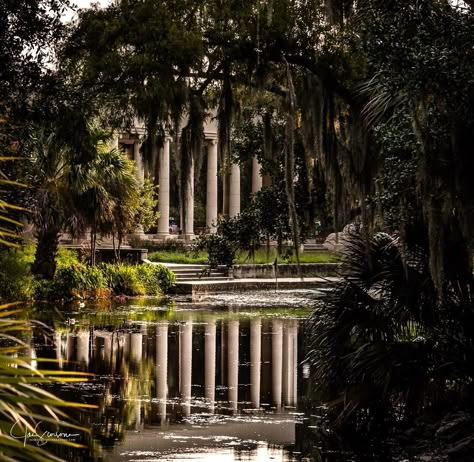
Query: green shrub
{"x": 168, "y": 245}
{"x": 16, "y": 281}
{"x": 47, "y": 289}
{"x": 220, "y": 250}
{"x": 123, "y": 279}
{"x": 157, "y": 279}
{"x": 66, "y": 257}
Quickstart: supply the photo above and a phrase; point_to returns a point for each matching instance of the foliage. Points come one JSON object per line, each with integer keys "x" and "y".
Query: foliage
{"x": 220, "y": 250}
{"x": 168, "y": 245}
{"x": 108, "y": 197}
{"x": 24, "y": 405}
{"x": 381, "y": 341}
{"x": 77, "y": 280}
{"x": 85, "y": 281}
{"x": 16, "y": 280}
{"x": 146, "y": 215}
{"x": 69, "y": 194}
{"x": 123, "y": 279}
{"x": 157, "y": 279}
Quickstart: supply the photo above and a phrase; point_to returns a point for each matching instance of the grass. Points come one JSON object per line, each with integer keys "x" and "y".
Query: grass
{"x": 261, "y": 257}
{"x": 178, "y": 256}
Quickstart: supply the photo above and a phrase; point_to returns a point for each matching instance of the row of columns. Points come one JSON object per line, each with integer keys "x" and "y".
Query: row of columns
{"x": 284, "y": 360}
{"x": 231, "y": 203}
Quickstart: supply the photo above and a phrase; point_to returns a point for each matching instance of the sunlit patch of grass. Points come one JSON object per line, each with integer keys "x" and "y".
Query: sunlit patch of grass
{"x": 261, "y": 256}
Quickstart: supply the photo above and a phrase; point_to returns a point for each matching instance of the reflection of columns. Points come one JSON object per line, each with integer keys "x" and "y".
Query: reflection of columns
{"x": 290, "y": 358}
{"x": 164, "y": 189}
{"x": 185, "y": 364}
{"x": 189, "y": 203}
{"x": 162, "y": 368}
{"x": 233, "y": 363}
{"x": 255, "y": 360}
{"x": 210, "y": 363}
{"x": 107, "y": 347}
{"x": 82, "y": 347}
{"x": 136, "y": 347}
{"x": 277, "y": 364}
{"x": 256, "y": 177}
{"x": 234, "y": 192}
{"x": 295, "y": 362}
{"x": 58, "y": 349}
{"x": 69, "y": 346}
{"x": 211, "y": 196}
{"x": 137, "y": 157}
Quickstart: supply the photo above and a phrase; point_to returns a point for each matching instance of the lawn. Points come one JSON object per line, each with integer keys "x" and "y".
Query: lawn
{"x": 261, "y": 256}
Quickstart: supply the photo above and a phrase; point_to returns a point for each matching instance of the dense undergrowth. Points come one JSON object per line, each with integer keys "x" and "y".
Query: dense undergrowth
{"x": 74, "y": 279}
{"x": 385, "y": 345}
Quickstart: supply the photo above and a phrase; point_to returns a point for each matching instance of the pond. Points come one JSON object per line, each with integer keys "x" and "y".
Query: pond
{"x": 216, "y": 379}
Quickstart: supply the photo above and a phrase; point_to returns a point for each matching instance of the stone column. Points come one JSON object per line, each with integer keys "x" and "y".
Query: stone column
{"x": 211, "y": 196}
{"x": 164, "y": 190}
{"x": 185, "y": 365}
{"x": 189, "y": 204}
{"x": 210, "y": 363}
{"x": 234, "y": 193}
{"x": 277, "y": 363}
{"x": 256, "y": 177}
{"x": 140, "y": 176}
{"x": 162, "y": 369}
{"x": 233, "y": 363}
{"x": 137, "y": 157}
{"x": 255, "y": 361}
{"x": 225, "y": 194}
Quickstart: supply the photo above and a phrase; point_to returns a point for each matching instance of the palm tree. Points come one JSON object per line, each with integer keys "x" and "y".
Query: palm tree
{"x": 102, "y": 194}
{"x": 51, "y": 201}
{"x": 382, "y": 338}
{"x": 109, "y": 198}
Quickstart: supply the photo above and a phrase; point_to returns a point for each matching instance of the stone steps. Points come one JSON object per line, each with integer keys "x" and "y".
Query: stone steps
{"x": 190, "y": 273}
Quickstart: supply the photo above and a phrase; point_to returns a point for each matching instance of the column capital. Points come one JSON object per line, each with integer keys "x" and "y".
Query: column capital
{"x": 211, "y": 141}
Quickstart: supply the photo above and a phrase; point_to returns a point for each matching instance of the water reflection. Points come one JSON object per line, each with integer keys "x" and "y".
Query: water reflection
{"x": 211, "y": 385}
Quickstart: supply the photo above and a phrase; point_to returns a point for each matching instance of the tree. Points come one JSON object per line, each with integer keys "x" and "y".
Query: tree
{"x": 50, "y": 197}
{"x": 350, "y": 69}
{"x": 102, "y": 194}
{"x": 108, "y": 199}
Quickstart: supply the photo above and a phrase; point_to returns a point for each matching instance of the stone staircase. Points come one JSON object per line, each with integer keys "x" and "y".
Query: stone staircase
{"x": 193, "y": 273}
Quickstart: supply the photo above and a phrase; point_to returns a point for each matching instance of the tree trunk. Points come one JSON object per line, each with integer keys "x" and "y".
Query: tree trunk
{"x": 46, "y": 251}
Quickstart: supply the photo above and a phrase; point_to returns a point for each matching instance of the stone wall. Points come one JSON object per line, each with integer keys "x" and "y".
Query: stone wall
{"x": 286, "y": 270}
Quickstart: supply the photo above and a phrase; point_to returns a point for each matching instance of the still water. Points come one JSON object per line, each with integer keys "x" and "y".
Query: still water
{"x": 218, "y": 379}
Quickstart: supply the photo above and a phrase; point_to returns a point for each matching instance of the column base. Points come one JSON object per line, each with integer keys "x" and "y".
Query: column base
{"x": 187, "y": 237}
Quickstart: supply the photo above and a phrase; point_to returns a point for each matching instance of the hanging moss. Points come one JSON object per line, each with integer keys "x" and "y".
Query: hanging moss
{"x": 289, "y": 151}
{"x": 192, "y": 139}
